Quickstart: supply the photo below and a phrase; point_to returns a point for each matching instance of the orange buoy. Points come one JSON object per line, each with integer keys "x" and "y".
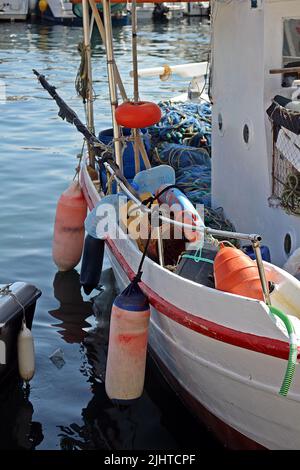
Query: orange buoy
{"x": 127, "y": 350}
{"x": 237, "y": 273}
{"x": 138, "y": 115}
{"x": 69, "y": 228}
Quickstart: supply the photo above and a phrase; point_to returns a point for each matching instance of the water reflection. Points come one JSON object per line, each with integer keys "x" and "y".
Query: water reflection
{"x": 73, "y": 310}
{"x": 106, "y": 425}
{"x": 73, "y": 397}
{"x": 17, "y": 429}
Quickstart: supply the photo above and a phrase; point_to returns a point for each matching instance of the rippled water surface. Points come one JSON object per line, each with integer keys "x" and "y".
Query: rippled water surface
{"x": 67, "y": 406}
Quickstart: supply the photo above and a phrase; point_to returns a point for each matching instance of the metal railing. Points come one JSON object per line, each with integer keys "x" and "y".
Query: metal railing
{"x": 255, "y": 239}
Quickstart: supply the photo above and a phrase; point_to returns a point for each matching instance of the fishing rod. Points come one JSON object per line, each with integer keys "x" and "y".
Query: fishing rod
{"x": 100, "y": 149}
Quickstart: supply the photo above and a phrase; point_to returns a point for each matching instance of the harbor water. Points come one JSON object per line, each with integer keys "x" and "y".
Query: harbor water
{"x": 67, "y": 407}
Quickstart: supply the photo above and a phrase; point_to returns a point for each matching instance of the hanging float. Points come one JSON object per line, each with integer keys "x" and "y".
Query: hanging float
{"x": 128, "y": 337}
{"x": 91, "y": 265}
{"x": 69, "y": 228}
{"x": 26, "y": 357}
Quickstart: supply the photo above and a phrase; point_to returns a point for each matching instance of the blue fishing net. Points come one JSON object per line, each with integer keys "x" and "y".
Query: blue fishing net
{"x": 183, "y": 123}
{"x": 192, "y": 168}
{"x": 182, "y": 139}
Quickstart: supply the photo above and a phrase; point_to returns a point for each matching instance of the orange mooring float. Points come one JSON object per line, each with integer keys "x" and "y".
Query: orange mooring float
{"x": 69, "y": 228}
{"x": 138, "y": 115}
{"x": 126, "y": 361}
{"x": 237, "y": 273}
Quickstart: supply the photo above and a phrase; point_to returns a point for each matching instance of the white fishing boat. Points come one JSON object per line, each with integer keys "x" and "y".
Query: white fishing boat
{"x": 232, "y": 357}
{"x": 197, "y": 9}
{"x": 70, "y": 13}
{"x": 166, "y": 10}
{"x": 13, "y": 10}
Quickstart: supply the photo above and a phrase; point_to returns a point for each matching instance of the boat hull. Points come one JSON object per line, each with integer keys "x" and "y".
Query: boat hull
{"x": 227, "y": 435}
{"x": 233, "y": 389}
{"x": 228, "y": 357}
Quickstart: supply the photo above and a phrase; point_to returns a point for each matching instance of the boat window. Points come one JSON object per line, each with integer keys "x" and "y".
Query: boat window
{"x": 291, "y": 49}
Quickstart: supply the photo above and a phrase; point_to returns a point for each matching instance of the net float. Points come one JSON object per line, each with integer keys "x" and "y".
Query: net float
{"x": 237, "y": 273}
{"x": 138, "y": 115}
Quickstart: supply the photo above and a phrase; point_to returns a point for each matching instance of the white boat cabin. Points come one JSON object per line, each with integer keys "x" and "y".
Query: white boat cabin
{"x": 252, "y": 176}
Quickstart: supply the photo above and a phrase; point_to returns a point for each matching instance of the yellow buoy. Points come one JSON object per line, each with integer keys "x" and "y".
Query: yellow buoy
{"x": 26, "y": 359}
{"x": 43, "y": 5}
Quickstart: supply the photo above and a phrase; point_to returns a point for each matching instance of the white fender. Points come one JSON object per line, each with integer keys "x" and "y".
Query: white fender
{"x": 26, "y": 358}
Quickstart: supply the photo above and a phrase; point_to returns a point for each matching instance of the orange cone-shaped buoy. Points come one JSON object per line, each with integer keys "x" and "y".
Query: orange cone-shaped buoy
{"x": 69, "y": 228}
{"x": 236, "y": 273}
{"x": 126, "y": 362}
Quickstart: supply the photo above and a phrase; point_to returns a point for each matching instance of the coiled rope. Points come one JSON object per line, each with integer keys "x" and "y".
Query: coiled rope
{"x": 290, "y": 197}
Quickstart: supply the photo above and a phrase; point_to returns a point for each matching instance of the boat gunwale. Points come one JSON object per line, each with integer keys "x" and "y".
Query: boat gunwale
{"x": 261, "y": 344}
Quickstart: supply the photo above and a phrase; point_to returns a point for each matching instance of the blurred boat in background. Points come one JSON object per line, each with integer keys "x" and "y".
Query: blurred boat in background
{"x": 12, "y": 10}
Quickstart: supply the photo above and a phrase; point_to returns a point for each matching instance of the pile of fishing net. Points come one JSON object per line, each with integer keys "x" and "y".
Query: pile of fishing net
{"x": 182, "y": 139}
{"x": 192, "y": 168}
{"x": 183, "y": 123}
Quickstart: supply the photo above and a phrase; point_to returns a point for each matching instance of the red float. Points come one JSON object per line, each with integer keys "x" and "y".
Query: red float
{"x": 138, "y": 115}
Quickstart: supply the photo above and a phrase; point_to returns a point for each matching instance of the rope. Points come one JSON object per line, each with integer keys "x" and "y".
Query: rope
{"x": 82, "y": 80}
{"x": 290, "y": 197}
{"x": 6, "y": 291}
{"x": 197, "y": 257}
{"x": 166, "y": 73}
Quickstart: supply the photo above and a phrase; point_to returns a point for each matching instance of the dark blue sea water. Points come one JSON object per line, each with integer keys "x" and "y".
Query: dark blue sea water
{"x": 67, "y": 406}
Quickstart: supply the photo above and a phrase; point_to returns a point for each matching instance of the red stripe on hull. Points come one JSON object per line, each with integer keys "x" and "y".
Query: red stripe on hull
{"x": 260, "y": 344}
{"x": 230, "y": 437}
{"x": 263, "y": 345}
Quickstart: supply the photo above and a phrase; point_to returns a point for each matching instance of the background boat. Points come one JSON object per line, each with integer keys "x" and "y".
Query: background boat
{"x": 159, "y": 11}
{"x": 197, "y": 9}
{"x": 14, "y": 10}
{"x": 67, "y": 13}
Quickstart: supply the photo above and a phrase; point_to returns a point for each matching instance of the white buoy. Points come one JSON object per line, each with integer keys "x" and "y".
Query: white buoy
{"x": 26, "y": 358}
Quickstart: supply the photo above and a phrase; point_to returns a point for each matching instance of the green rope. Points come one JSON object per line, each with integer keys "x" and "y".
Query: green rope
{"x": 197, "y": 257}
{"x": 292, "y": 360}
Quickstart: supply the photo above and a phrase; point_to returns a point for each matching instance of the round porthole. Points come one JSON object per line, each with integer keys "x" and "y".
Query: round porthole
{"x": 287, "y": 244}
{"x": 246, "y": 134}
{"x": 220, "y": 124}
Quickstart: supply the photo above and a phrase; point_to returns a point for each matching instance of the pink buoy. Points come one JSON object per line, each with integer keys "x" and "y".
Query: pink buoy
{"x": 127, "y": 350}
{"x": 69, "y": 228}
{"x": 184, "y": 211}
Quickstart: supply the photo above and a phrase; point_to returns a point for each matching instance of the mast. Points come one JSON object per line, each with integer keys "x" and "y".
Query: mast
{"x": 111, "y": 81}
{"x": 135, "y": 83}
{"x": 87, "y": 52}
